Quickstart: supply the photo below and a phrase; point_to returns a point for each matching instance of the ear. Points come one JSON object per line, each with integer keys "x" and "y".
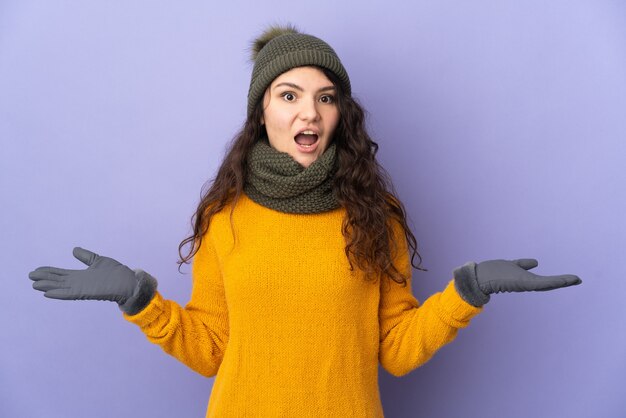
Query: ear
{"x": 262, "y": 121}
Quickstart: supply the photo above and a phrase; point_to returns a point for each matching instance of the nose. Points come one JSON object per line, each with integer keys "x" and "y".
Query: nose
{"x": 308, "y": 110}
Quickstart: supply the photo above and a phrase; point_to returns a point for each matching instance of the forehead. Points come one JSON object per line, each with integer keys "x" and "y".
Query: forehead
{"x": 303, "y": 76}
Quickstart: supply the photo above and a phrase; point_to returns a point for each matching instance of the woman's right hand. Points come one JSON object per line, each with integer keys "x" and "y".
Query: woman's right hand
{"x": 104, "y": 279}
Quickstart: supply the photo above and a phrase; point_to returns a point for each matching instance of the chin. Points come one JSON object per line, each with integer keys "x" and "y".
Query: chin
{"x": 306, "y": 162}
{"x": 306, "y": 159}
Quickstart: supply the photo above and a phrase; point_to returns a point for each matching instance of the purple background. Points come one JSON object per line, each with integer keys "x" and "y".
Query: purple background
{"x": 502, "y": 123}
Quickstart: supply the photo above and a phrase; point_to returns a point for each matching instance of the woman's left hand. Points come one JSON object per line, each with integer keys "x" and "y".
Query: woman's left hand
{"x": 475, "y": 282}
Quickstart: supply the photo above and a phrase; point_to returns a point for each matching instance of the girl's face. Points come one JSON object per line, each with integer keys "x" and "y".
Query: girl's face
{"x": 300, "y": 113}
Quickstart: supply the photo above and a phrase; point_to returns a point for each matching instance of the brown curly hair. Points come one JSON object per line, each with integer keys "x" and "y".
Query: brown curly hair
{"x": 361, "y": 186}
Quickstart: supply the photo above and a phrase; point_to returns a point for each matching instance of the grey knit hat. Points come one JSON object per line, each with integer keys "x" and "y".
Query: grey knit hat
{"x": 281, "y": 48}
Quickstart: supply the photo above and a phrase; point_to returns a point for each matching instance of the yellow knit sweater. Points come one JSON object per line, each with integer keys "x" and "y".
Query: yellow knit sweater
{"x": 285, "y": 325}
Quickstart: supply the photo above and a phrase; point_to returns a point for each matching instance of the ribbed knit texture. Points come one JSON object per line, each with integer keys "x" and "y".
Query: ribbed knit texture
{"x": 279, "y": 182}
{"x": 289, "y": 51}
{"x": 289, "y": 330}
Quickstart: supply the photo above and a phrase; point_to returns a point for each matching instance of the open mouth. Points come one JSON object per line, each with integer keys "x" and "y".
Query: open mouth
{"x": 306, "y": 139}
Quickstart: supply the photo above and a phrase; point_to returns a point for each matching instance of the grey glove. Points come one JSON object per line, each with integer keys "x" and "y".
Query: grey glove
{"x": 475, "y": 282}
{"x": 104, "y": 279}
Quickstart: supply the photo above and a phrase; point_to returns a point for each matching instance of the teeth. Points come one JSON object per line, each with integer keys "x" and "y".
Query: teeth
{"x": 308, "y": 132}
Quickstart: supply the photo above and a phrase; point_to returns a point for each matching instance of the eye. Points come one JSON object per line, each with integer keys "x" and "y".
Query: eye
{"x": 327, "y": 99}
{"x": 288, "y": 96}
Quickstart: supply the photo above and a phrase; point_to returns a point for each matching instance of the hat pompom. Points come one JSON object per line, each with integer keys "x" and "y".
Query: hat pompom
{"x": 270, "y": 33}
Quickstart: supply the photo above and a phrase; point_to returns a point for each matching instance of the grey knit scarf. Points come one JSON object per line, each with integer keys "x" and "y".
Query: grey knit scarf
{"x": 277, "y": 181}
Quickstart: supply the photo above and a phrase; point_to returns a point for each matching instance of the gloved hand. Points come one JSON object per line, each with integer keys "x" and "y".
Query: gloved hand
{"x": 475, "y": 282}
{"x": 104, "y": 279}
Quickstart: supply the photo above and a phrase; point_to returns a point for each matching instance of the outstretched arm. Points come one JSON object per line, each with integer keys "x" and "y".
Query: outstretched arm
{"x": 411, "y": 334}
{"x": 197, "y": 335}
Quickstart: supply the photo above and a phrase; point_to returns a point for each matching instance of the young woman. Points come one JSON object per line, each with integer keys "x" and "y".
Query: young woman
{"x": 302, "y": 258}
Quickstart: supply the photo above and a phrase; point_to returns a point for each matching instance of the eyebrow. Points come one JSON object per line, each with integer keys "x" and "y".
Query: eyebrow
{"x": 297, "y": 87}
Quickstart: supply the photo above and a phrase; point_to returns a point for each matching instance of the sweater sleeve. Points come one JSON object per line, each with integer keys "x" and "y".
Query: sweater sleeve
{"x": 197, "y": 334}
{"x": 411, "y": 334}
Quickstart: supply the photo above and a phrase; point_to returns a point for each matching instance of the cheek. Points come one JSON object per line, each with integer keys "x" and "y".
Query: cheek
{"x": 276, "y": 125}
{"x": 276, "y": 120}
{"x": 278, "y": 130}
{"x": 333, "y": 120}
